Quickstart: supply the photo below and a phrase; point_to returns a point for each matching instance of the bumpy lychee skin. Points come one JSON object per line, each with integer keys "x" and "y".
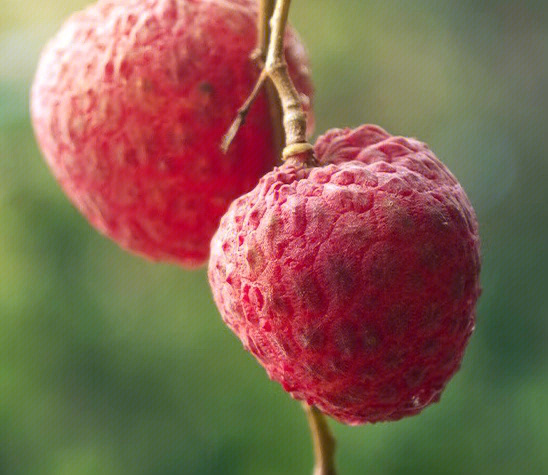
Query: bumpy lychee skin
{"x": 129, "y": 105}
{"x": 353, "y": 283}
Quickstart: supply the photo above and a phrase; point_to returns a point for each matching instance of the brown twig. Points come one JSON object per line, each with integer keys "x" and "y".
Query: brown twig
{"x": 324, "y": 443}
{"x": 266, "y": 8}
{"x": 275, "y": 68}
{"x": 294, "y": 118}
{"x": 258, "y": 56}
{"x": 242, "y": 113}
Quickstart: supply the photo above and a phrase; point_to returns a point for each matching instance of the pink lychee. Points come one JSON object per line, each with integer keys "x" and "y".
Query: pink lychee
{"x": 129, "y": 105}
{"x": 354, "y": 283}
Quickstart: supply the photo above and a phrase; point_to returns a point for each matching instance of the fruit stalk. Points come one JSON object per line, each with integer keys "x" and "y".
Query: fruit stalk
{"x": 266, "y": 9}
{"x": 297, "y": 148}
{"x": 294, "y": 117}
{"x": 324, "y": 443}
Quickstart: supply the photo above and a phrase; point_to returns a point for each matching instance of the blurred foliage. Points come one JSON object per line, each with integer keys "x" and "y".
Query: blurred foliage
{"x": 112, "y": 365}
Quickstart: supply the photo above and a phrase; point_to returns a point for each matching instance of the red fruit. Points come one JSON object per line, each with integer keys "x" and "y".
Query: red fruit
{"x": 129, "y": 105}
{"x": 353, "y": 283}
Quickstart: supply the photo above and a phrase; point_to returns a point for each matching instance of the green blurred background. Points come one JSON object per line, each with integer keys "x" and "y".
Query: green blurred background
{"x": 113, "y": 365}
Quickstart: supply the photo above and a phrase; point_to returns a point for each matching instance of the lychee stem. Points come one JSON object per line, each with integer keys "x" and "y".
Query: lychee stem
{"x": 297, "y": 147}
{"x": 258, "y": 56}
{"x": 294, "y": 116}
{"x": 266, "y": 8}
{"x": 324, "y": 443}
{"x": 242, "y": 113}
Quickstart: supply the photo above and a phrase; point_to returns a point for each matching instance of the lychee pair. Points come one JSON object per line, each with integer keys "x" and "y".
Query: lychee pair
{"x": 351, "y": 275}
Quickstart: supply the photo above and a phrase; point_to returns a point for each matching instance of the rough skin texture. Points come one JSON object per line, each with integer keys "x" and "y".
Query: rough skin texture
{"x": 129, "y": 105}
{"x": 353, "y": 283}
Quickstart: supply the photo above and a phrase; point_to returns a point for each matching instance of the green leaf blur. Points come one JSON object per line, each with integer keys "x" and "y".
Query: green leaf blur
{"x": 113, "y": 365}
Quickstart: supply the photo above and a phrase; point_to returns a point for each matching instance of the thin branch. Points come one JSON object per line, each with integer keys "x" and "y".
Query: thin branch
{"x": 294, "y": 117}
{"x": 324, "y": 443}
{"x": 258, "y": 56}
{"x": 293, "y": 113}
{"x": 278, "y": 23}
{"x": 266, "y": 8}
{"x": 242, "y": 113}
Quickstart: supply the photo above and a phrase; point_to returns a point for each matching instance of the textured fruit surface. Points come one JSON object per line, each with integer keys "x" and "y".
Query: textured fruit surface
{"x": 353, "y": 283}
{"x": 129, "y": 105}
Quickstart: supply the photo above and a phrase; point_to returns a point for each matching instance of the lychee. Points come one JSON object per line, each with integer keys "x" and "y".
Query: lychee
{"x": 354, "y": 282}
{"x": 129, "y": 105}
